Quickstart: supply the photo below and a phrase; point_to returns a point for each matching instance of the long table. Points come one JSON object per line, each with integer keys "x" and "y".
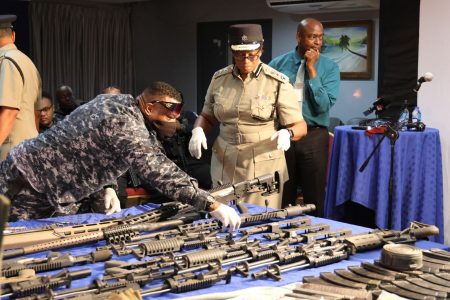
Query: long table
{"x": 237, "y": 282}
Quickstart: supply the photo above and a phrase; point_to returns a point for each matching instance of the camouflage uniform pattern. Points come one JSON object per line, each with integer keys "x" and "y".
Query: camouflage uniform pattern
{"x": 89, "y": 149}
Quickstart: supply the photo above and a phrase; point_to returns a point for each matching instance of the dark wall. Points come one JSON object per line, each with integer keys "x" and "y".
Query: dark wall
{"x": 21, "y": 25}
{"x": 398, "y": 52}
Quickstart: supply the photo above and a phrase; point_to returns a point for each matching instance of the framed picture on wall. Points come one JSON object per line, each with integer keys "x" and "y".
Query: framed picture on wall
{"x": 349, "y": 44}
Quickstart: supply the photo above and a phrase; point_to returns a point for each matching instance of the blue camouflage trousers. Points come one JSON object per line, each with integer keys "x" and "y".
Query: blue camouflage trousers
{"x": 26, "y": 202}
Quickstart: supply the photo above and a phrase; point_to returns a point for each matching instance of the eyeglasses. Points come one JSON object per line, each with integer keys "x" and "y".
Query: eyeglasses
{"x": 46, "y": 109}
{"x": 170, "y": 106}
{"x": 241, "y": 55}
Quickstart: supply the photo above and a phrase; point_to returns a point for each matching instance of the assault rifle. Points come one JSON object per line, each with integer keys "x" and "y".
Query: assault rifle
{"x": 53, "y": 233}
{"x": 44, "y": 283}
{"x": 53, "y": 261}
{"x": 266, "y": 184}
{"x": 124, "y": 233}
{"x": 223, "y": 194}
{"x": 178, "y": 271}
{"x": 348, "y": 245}
{"x": 378, "y": 238}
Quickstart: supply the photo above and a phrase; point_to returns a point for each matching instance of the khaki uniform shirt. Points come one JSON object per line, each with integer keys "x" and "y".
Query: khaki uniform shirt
{"x": 24, "y": 95}
{"x": 249, "y": 113}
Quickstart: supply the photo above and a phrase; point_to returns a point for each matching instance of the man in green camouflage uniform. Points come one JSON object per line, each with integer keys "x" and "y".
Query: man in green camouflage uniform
{"x": 94, "y": 145}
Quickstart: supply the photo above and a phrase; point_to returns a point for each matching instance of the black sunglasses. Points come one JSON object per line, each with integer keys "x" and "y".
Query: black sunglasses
{"x": 173, "y": 107}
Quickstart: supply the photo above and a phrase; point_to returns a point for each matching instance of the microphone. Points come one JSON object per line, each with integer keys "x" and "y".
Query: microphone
{"x": 425, "y": 78}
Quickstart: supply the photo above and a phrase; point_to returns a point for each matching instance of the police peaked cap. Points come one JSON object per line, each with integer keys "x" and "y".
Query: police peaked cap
{"x": 245, "y": 37}
{"x": 6, "y": 21}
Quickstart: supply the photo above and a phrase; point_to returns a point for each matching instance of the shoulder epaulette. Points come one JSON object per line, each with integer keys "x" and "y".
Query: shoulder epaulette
{"x": 223, "y": 71}
{"x": 275, "y": 74}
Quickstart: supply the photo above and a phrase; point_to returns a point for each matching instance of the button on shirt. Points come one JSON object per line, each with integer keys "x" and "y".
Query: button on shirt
{"x": 320, "y": 93}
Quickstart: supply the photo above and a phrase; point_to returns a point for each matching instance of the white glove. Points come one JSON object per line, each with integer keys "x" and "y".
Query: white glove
{"x": 198, "y": 140}
{"x": 283, "y": 139}
{"x": 228, "y": 216}
{"x": 112, "y": 203}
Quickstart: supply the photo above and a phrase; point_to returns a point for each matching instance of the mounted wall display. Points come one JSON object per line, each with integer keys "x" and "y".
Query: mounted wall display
{"x": 349, "y": 44}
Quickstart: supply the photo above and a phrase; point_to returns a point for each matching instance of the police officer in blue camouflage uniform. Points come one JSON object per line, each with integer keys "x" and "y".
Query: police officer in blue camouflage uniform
{"x": 93, "y": 146}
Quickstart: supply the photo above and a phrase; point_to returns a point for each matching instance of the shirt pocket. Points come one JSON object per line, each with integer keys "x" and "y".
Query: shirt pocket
{"x": 262, "y": 107}
{"x": 221, "y": 108}
{"x": 266, "y": 152}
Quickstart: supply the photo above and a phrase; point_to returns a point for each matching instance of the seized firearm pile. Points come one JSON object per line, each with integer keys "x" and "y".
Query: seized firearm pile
{"x": 178, "y": 255}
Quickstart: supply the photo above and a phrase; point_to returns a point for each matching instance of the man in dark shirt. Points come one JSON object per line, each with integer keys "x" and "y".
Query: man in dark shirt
{"x": 66, "y": 102}
{"x": 91, "y": 148}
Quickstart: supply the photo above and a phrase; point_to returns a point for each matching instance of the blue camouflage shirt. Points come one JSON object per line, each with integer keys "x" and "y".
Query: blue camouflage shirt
{"x": 320, "y": 92}
{"x": 94, "y": 145}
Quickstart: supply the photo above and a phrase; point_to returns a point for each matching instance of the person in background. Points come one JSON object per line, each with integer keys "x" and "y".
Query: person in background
{"x": 258, "y": 114}
{"x": 112, "y": 90}
{"x": 20, "y": 91}
{"x": 66, "y": 102}
{"x": 90, "y": 148}
{"x": 46, "y": 113}
{"x": 316, "y": 82}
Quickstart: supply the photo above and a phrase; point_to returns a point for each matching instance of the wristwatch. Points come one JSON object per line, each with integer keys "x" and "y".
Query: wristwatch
{"x": 291, "y": 133}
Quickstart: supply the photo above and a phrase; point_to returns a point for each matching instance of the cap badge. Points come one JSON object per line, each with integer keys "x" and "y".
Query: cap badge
{"x": 244, "y": 38}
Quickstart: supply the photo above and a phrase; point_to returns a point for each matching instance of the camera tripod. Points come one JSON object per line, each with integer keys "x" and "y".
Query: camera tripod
{"x": 392, "y": 133}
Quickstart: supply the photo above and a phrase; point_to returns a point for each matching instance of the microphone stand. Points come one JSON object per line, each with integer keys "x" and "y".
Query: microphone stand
{"x": 392, "y": 134}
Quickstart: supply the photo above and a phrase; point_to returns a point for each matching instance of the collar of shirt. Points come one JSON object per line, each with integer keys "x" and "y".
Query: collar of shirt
{"x": 254, "y": 74}
{"x": 297, "y": 58}
{"x": 7, "y": 47}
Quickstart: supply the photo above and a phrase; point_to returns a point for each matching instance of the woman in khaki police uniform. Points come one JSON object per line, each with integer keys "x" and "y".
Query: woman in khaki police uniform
{"x": 251, "y": 101}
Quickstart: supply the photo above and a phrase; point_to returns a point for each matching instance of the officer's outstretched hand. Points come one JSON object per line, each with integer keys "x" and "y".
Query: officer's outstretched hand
{"x": 112, "y": 203}
{"x": 283, "y": 139}
{"x": 198, "y": 140}
{"x": 228, "y": 216}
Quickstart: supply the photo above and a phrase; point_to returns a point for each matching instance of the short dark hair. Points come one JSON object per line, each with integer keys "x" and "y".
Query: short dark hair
{"x": 48, "y": 96}
{"x": 161, "y": 88}
{"x": 5, "y": 32}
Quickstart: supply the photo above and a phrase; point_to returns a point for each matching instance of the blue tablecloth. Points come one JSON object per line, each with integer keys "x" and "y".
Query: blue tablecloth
{"x": 237, "y": 282}
{"x": 417, "y": 189}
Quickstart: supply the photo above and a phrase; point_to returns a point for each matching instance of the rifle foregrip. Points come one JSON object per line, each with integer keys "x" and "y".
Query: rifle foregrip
{"x": 191, "y": 284}
{"x": 204, "y": 257}
{"x": 327, "y": 260}
{"x": 155, "y": 247}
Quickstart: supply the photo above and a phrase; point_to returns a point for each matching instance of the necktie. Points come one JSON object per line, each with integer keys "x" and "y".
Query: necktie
{"x": 300, "y": 82}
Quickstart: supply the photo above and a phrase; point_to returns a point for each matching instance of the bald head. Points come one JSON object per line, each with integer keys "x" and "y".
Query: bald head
{"x": 309, "y": 35}
{"x": 64, "y": 88}
{"x": 307, "y": 23}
